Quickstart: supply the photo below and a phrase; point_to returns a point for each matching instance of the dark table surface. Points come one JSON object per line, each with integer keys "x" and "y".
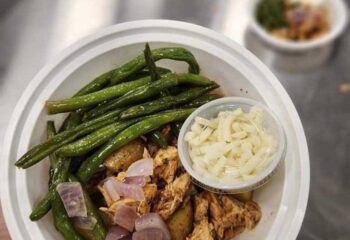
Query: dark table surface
{"x": 32, "y": 31}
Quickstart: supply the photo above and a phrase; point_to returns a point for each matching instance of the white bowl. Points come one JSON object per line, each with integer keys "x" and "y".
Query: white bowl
{"x": 296, "y": 56}
{"x": 338, "y": 16}
{"x": 283, "y": 200}
{"x": 211, "y": 110}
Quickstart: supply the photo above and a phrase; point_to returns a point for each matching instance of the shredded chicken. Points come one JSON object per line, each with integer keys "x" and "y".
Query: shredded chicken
{"x": 201, "y": 206}
{"x": 216, "y": 213}
{"x": 234, "y": 212}
{"x": 232, "y": 232}
{"x": 252, "y": 214}
{"x": 238, "y": 214}
{"x": 150, "y": 192}
{"x": 166, "y": 163}
{"x": 172, "y": 196}
{"x": 202, "y": 231}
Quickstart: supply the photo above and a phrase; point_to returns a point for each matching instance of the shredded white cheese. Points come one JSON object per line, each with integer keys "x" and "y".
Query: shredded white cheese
{"x": 233, "y": 147}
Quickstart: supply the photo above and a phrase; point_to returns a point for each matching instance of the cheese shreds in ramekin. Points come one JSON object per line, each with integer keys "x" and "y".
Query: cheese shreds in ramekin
{"x": 234, "y": 146}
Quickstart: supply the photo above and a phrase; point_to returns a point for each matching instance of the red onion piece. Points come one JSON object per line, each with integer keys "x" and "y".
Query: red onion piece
{"x": 149, "y": 234}
{"x": 117, "y": 233}
{"x": 72, "y": 197}
{"x": 152, "y": 220}
{"x": 87, "y": 223}
{"x": 128, "y": 190}
{"x": 143, "y": 167}
{"x": 125, "y": 217}
{"x": 109, "y": 187}
{"x": 139, "y": 180}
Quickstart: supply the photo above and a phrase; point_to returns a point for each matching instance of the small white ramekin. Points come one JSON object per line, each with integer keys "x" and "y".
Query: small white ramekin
{"x": 211, "y": 110}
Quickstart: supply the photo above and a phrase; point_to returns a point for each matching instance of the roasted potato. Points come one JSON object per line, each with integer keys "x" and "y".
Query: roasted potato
{"x": 123, "y": 157}
{"x": 180, "y": 224}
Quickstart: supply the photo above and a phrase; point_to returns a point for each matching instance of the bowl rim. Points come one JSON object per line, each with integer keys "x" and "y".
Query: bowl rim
{"x": 251, "y": 184}
{"x": 16, "y": 121}
{"x": 289, "y": 45}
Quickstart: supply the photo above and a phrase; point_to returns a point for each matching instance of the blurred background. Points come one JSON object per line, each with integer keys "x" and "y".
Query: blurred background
{"x": 33, "y": 31}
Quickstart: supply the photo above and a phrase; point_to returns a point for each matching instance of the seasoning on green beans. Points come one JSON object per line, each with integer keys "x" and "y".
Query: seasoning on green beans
{"x": 93, "y": 140}
{"x": 166, "y": 82}
{"x": 150, "y": 63}
{"x": 42, "y": 150}
{"x": 120, "y": 74}
{"x": 138, "y": 63}
{"x": 94, "y": 98}
{"x": 165, "y": 102}
{"x": 136, "y": 95}
{"x": 90, "y": 166}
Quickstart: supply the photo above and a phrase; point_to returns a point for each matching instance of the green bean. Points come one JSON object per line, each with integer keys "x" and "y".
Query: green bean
{"x": 59, "y": 174}
{"x": 165, "y": 102}
{"x": 99, "y": 231}
{"x": 61, "y": 220}
{"x": 138, "y": 94}
{"x": 176, "y": 127}
{"x": 89, "y": 166}
{"x": 42, "y": 150}
{"x": 157, "y": 138}
{"x": 93, "y": 140}
{"x": 202, "y": 100}
{"x": 44, "y": 205}
{"x": 92, "y": 99}
{"x": 150, "y": 63}
{"x": 119, "y": 74}
{"x": 155, "y": 75}
{"x": 142, "y": 93}
{"x": 51, "y": 131}
{"x": 179, "y": 54}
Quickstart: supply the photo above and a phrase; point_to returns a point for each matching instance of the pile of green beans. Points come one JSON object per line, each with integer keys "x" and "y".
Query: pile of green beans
{"x": 134, "y": 100}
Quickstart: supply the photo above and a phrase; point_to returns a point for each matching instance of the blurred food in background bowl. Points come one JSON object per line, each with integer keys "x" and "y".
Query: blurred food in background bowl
{"x": 301, "y": 33}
